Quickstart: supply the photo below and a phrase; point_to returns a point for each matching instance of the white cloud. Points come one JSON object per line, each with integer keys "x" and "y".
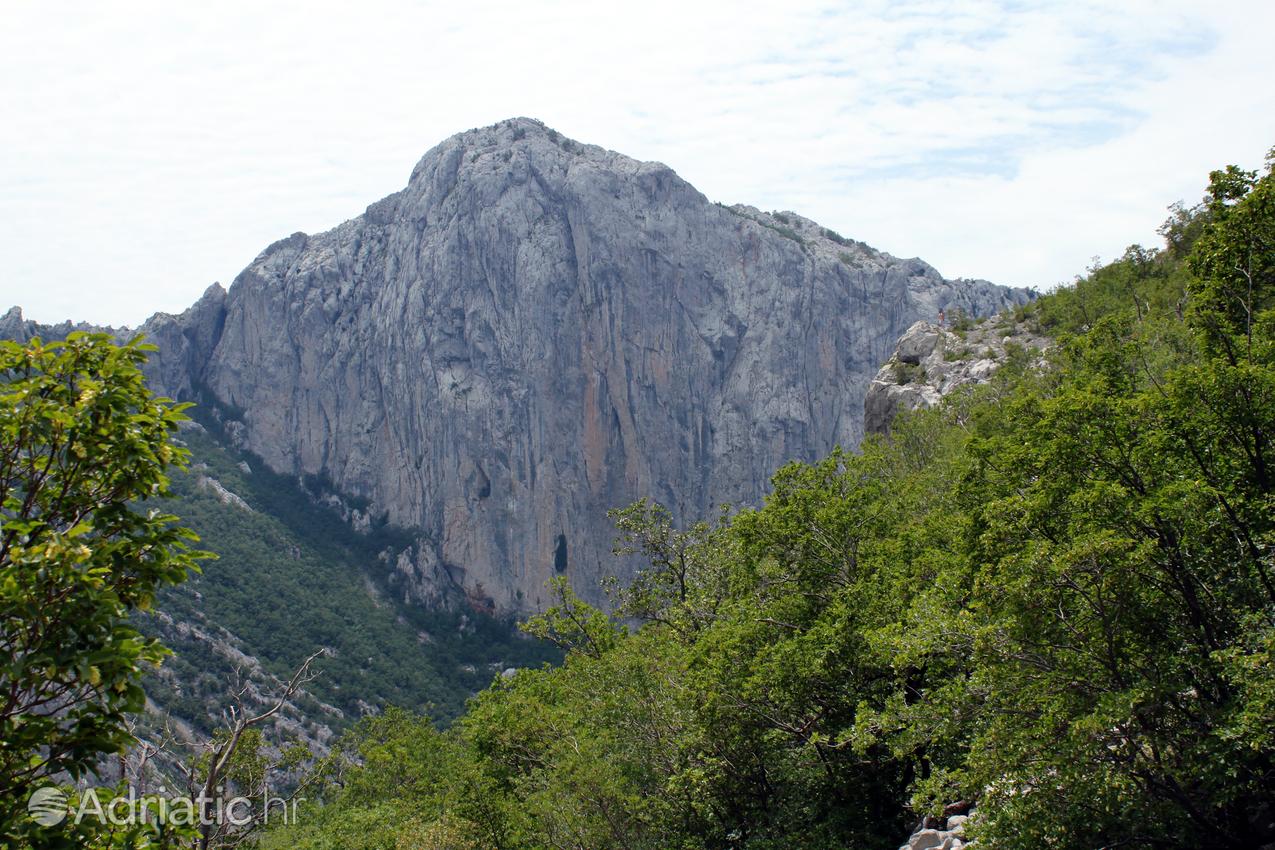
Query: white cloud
{"x": 149, "y": 149}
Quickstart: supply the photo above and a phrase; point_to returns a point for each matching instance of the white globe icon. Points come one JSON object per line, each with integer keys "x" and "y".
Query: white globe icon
{"x": 47, "y": 806}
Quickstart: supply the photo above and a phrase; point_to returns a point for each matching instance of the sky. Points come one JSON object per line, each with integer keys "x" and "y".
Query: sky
{"x": 149, "y": 149}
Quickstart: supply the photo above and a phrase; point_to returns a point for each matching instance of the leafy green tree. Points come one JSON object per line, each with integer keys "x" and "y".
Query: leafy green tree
{"x": 684, "y": 582}
{"x": 591, "y": 754}
{"x": 1114, "y": 643}
{"x": 393, "y": 782}
{"x": 82, "y": 440}
{"x": 1234, "y": 260}
{"x": 573, "y": 624}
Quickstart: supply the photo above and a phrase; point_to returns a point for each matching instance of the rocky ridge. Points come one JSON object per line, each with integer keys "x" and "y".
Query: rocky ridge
{"x": 931, "y": 360}
{"x": 13, "y": 325}
{"x": 534, "y": 331}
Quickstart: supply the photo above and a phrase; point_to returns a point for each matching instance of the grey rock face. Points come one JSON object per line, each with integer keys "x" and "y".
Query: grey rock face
{"x": 422, "y": 578}
{"x": 930, "y": 361}
{"x": 925, "y": 839}
{"x": 14, "y": 327}
{"x": 534, "y": 331}
{"x": 185, "y": 343}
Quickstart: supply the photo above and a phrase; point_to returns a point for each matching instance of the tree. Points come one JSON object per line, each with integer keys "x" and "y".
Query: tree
{"x": 82, "y": 443}
{"x": 392, "y": 781}
{"x": 235, "y": 756}
{"x": 1053, "y": 596}
{"x": 684, "y": 581}
{"x": 1118, "y": 629}
{"x": 1234, "y": 260}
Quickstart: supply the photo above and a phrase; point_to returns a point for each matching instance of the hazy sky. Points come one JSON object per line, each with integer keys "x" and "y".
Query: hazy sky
{"x": 148, "y": 149}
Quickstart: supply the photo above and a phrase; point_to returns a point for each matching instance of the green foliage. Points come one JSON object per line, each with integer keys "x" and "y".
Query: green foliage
{"x": 1234, "y": 261}
{"x": 1113, "y": 640}
{"x": 572, "y": 624}
{"x": 782, "y": 228}
{"x": 836, "y": 237}
{"x": 1142, "y": 282}
{"x": 81, "y": 440}
{"x": 585, "y": 756}
{"x": 906, "y": 373}
{"x": 1109, "y": 504}
{"x": 687, "y": 580}
{"x": 960, "y": 322}
{"x": 394, "y": 781}
{"x": 88, "y": 825}
{"x": 1182, "y": 228}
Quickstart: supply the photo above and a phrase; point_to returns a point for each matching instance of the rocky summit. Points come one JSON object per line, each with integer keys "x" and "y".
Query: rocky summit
{"x": 535, "y": 331}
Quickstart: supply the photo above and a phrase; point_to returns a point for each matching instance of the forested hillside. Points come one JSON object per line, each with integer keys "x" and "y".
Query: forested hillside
{"x": 290, "y": 578}
{"x": 1053, "y": 597}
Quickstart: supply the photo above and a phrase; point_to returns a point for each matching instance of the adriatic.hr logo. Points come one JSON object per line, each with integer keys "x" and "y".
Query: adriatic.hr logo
{"x": 48, "y": 806}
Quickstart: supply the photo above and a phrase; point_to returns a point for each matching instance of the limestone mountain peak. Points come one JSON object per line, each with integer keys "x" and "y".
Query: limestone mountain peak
{"x": 533, "y": 331}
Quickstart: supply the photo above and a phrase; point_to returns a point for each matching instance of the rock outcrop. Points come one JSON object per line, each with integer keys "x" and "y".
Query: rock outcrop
{"x": 221, "y": 494}
{"x": 930, "y": 361}
{"x": 534, "y": 331}
{"x": 945, "y": 833}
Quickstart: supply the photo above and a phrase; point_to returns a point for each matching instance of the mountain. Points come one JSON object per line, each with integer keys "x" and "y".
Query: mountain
{"x": 535, "y": 331}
